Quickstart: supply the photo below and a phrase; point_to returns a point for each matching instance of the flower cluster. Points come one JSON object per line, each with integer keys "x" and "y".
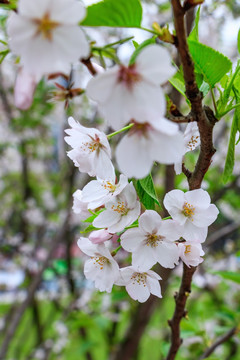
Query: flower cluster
{"x": 47, "y": 37}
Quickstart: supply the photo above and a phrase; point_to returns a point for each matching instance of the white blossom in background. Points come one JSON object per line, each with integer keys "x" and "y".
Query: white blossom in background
{"x": 91, "y": 152}
{"x": 24, "y": 89}
{"x": 139, "y": 285}
{"x": 152, "y": 242}
{"x": 193, "y": 210}
{"x": 79, "y": 207}
{"x": 98, "y": 192}
{"x": 145, "y": 143}
{"x": 190, "y": 253}
{"x": 191, "y": 138}
{"x": 101, "y": 267}
{"x": 120, "y": 212}
{"x": 46, "y": 35}
{"x": 133, "y": 92}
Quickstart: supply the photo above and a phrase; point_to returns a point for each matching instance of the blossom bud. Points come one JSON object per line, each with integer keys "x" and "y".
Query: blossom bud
{"x": 99, "y": 236}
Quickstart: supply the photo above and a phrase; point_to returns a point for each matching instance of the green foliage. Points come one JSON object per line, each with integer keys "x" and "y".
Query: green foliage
{"x": 146, "y": 192}
{"x": 194, "y": 33}
{"x": 229, "y": 275}
{"x": 238, "y": 41}
{"x": 210, "y": 63}
{"x": 120, "y": 13}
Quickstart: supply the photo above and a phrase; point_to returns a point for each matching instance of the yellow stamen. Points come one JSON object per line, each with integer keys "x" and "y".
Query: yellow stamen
{"x": 188, "y": 210}
{"x": 45, "y": 26}
{"x": 187, "y": 249}
{"x": 153, "y": 240}
{"x": 139, "y": 278}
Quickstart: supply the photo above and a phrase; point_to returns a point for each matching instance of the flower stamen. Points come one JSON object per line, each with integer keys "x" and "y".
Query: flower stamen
{"x": 45, "y": 26}
{"x": 188, "y": 210}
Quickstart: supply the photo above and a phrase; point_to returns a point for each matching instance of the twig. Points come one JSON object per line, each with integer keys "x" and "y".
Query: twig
{"x": 223, "y": 232}
{"x": 218, "y": 342}
{"x": 89, "y": 65}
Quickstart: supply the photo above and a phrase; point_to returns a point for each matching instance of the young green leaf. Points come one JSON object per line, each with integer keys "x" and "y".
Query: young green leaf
{"x": 194, "y": 33}
{"x": 210, "y": 63}
{"x": 146, "y": 192}
{"x": 140, "y": 47}
{"x": 114, "y": 13}
{"x": 238, "y": 41}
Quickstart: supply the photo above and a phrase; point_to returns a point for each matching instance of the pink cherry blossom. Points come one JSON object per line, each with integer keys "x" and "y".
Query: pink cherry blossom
{"x": 101, "y": 267}
{"x": 139, "y": 285}
{"x": 91, "y": 152}
{"x": 46, "y": 35}
{"x": 190, "y": 253}
{"x": 120, "y": 212}
{"x": 133, "y": 92}
{"x": 24, "y": 89}
{"x": 152, "y": 242}
{"x": 145, "y": 143}
{"x": 193, "y": 211}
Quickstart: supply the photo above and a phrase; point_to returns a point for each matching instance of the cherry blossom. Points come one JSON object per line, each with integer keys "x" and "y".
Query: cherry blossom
{"x": 46, "y": 35}
{"x": 152, "y": 241}
{"x": 139, "y": 285}
{"x": 101, "y": 267}
{"x": 193, "y": 211}
{"x": 145, "y": 143}
{"x": 80, "y": 207}
{"x": 91, "y": 151}
{"x": 133, "y": 92}
{"x": 190, "y": 253}
{"x": 98, "y": 192}
{"x": 191, "y": 142}
{"x": 120, "y": 212}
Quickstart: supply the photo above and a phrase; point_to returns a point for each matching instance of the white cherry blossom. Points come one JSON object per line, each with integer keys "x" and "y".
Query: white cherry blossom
{"x": 191, "y": 138}
{"x": 91, "y": 151}
{"x": 101, "y": 267}
{"x": 80, "y": 207}
{"x": 24, "y": 89}
{"x": 152, "y": 242}
{"x": 190, "y": 253}
{"x": 98, "y": 192}
{"x": 139, "y": 285}
{"x": 120, "y": 212}
{"x": 133, "y": 92}
{"x": 145, "y": 143}
{"x": 46, "y": 35}
{"x": 193, "y": 211}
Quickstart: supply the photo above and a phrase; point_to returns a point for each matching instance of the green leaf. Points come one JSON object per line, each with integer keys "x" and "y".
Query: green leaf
{"x": 146, "y": 192}
{"x": 229, "y": 275}
{"x": 230, "y": 159}
{"x": 88, "y": 229}
{"x": 140, "y": 47}
{"x": 114, "y": 13}
{"x": 238, "y": 41}
{"x": 210, "y": 63}
{"x": 194, "y": 32}
{"x": 177, "y": 81}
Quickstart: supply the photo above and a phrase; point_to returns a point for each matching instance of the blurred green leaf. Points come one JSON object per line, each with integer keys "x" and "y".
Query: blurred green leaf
{"x": 120, "y": 13}
{"x": 146, "y": 192}
{"x": 229, "y": 275}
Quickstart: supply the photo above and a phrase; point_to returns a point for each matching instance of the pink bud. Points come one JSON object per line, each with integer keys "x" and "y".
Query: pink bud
{"x": 99, "y": 236}
{"x": 24, "y": 89}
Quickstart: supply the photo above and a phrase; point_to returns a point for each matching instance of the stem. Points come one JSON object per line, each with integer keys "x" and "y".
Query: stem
{"x": 114, "y": 252}
{"x": 227, "y": 111}
{"x": 213, "y": 99}
{"x": 109, "y": 136}
{"x": 149, "y": 30}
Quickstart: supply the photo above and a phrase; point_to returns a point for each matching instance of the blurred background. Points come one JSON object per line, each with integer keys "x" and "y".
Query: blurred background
{"x": 48, "y": 310}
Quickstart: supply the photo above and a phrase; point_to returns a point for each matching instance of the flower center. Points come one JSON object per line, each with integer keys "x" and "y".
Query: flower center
{"x": 128, "y": 75}
{"x": 120, "y": 208}
{"x": 45, "y": 26}
{"x": 192, "y": 142}
{"x": 100, "y": 261}
{"x": 188, "y": 210}
{"x": 153, "y": 240}
{"x": 109, "y": 186}
{"x": 139, "y": 278}
{"x": 187, "y": 249}
{"x": 92, "y": 146}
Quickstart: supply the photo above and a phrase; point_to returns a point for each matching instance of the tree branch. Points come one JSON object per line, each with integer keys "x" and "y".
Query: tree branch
{"x": 219, "y": 342}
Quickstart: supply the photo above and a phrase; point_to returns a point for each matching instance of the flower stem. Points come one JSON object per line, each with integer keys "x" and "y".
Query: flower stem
{"x": 109, "y": 136}
{"x": 114, "y": 252}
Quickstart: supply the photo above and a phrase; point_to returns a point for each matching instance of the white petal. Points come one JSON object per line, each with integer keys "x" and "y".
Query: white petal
{"x": 125, "y": 275}
{"x": 67, "y": 12}
{"x": 171, "y": 230}
{"x": 206, "y": 217}
{"x": 106, "y": 218}
{"x": 86, "y": 246}
{"x": 132, "y": 158}
{"x": 166, "y": 254}
{"x": 103, "y": 165}
{"x": 143, "y": 258}
{"x": 93, "y": 191}
{"x": 33, "y": 9}
{"x": 199, "y": 198}
{"x": 131, "y": 239}
{"x": 130, "y": 195}
{"x": 166, "y": 149}
{"x": 194, "y": 233}
{"x": 138, "y": 291}
{"x": 178, "y": 167}
{"x": 154, "y": 286}
{"x": 150, "y": 221}
{"x": 148, "y": 64}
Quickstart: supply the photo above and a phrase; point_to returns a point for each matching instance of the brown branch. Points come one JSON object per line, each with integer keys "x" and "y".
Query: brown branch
{"x": 206, "y": 121}
{"x": 181, "y": 119}
{"x": 89, "y": 65}
{"x": 219, "y": 342}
